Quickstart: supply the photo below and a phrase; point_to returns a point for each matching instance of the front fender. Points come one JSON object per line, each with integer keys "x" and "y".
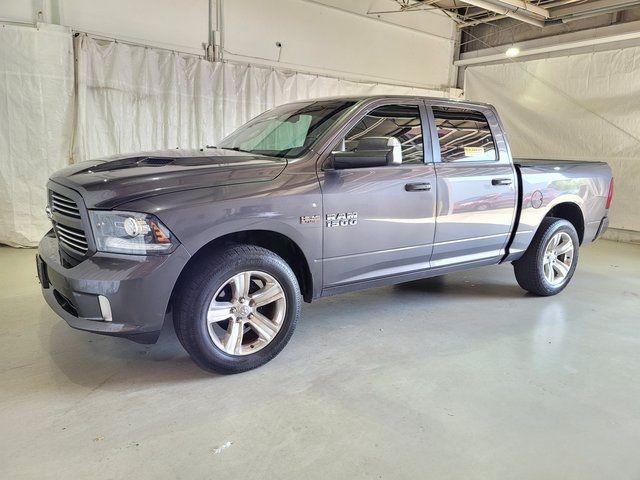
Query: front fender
{"x": 198, "y": 217}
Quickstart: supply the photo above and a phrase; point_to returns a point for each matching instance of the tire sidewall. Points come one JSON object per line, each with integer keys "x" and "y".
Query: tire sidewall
{"x": 210, "y": 356}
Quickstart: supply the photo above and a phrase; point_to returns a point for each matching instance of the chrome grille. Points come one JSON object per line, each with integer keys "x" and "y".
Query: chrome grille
{"x": 67, "y": 218}
{"x": 64, "y": 206}
{"x": 72, "y": 238}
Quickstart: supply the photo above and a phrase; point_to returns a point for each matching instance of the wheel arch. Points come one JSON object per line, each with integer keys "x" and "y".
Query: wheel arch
{"x": 571, "y": 212}
{"x": 276, "y": 242}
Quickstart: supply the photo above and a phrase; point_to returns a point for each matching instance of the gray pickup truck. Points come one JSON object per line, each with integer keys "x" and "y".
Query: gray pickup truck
{"x": 307, "y": 200}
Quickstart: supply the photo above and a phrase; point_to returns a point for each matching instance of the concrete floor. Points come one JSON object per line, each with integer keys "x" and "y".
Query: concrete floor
{"x": 466, "y": 377}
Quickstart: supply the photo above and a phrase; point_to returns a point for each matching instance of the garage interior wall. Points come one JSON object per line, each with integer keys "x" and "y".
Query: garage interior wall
{"x": 162, "y": 95}
{"x": 578, "y": 107}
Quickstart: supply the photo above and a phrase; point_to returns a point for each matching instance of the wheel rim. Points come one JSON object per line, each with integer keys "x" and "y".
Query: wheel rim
{"x": 246, "y": 313}
{"x": 558, "y": 257}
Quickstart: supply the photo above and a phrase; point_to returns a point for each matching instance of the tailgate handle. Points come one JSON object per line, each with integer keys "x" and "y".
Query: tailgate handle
{"x": 501, "y": 181}
{"x": 417, "y": 187}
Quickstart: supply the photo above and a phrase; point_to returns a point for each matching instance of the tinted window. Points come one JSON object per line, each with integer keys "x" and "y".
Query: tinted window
{"x": 464, "y": 135}
{"x": 287, "y": 131}
{"x": 399, "y": 121}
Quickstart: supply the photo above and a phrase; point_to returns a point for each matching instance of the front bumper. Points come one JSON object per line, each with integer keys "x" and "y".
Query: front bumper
{"x": 138, "y": 289}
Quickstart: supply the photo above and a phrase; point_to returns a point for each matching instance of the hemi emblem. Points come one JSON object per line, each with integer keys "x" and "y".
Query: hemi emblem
{"x": 307, "y": 219}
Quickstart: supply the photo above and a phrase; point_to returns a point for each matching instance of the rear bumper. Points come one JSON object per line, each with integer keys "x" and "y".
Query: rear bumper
{"x": 137, "y": 288}
{"x": 604, "y": 224}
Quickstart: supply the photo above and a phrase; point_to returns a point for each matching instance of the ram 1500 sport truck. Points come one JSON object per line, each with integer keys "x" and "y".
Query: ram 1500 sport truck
{"x": 306, "y": 200}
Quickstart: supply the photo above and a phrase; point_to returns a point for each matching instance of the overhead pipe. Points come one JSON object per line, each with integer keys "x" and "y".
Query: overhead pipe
{"x": 559, "y": 3}
{"x": 526, "y": 6}
{"x": 509, "y": 12}
{"x": 592, "y": 9}
{"x": 478, "y": 21}
{"x": 582, "y": 16}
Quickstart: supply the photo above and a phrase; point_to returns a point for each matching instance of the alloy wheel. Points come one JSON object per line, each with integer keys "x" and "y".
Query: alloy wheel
{"x": 557, "y": 259}
{"x": 246, "y": 313}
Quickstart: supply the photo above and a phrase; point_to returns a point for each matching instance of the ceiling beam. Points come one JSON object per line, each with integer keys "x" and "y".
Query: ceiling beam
{"x": 520, "y": 5}
{"x": 589, "y": 7}
{"x": 504, "y": 10}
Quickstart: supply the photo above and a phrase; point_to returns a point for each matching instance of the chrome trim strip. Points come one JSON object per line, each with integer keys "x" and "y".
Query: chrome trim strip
{"x": 69, "y": 231}
{"x": 68, "y": 213}
{"x": 58, "y": 198}
{"x": 74, "y": 241}
{"x": 73, "y": 247}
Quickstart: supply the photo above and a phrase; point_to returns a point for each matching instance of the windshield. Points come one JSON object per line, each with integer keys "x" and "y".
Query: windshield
{"x": 288, "y": 131}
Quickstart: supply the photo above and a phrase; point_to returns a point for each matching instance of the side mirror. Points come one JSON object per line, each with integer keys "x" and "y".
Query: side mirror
{"x": 370, "y": 152}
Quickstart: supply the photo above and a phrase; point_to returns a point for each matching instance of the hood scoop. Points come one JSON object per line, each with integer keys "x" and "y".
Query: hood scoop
{"x": 131, "y": 163}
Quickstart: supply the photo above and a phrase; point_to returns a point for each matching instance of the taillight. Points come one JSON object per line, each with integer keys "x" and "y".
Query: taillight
{"x": 610, "y": 195}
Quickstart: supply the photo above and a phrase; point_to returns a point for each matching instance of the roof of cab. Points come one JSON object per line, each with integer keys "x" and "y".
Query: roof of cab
{"x": 361, "y": 98}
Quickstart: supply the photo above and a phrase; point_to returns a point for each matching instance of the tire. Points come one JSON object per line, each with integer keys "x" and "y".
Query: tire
{"x": 253, "y": 332}
{"x": 533, "y": 269}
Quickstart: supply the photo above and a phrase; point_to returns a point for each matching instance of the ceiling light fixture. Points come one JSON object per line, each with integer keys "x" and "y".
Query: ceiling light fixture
{"x": 512, "y": 52}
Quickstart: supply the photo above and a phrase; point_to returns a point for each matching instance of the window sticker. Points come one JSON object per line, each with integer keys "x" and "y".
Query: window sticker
{"x": 473, "y": 151}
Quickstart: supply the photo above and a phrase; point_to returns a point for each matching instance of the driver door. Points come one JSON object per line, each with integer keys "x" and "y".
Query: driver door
{"x": 378, "y": 221}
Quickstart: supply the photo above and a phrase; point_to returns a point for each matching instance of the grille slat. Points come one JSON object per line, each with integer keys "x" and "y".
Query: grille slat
{"x": 60, "y": 199}
{"x": 72, "y": 239}
{"x": 72, "y": 242}
{"x": 66, "y": 211}
{"x": 69, "y": 231}
{"x": 64, "y": 205}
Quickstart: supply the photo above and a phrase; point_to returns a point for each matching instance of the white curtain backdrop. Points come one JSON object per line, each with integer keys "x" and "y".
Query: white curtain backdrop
{"x": 133, "y": 98}
{"x": 128, "y": 99}
{"x": 36, "y": 119}
{"x": 583, "y": 106}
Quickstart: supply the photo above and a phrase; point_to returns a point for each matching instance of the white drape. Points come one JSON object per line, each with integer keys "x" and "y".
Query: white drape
{"x": 128, "y": 99}
{"x": 583, "y": 106}
{"x": 133, "y": 98}
{"x": 36, "y": 119}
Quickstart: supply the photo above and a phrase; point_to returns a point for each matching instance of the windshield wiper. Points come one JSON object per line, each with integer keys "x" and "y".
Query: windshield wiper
{"x": 236, "y": 149}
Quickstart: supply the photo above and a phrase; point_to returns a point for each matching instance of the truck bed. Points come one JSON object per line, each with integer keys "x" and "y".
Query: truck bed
{"x": 544, "y": 182}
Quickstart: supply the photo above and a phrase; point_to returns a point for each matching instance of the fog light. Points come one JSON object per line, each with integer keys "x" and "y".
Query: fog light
{"x": 105, "y": 308}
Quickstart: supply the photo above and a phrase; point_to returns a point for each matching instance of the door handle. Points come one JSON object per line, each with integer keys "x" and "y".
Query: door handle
{"x": 501, "y": 181}
{"x": 417, "y": 187}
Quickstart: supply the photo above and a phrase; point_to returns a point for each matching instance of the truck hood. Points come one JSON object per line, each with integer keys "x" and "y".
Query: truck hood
{"x": 109, "y": 182}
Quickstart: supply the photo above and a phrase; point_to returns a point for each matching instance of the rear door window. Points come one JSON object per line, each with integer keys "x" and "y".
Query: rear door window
{"x": 464, "y": 135}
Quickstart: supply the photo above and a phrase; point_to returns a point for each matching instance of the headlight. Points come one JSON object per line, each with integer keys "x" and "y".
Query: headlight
{"x": 130, "y": 232}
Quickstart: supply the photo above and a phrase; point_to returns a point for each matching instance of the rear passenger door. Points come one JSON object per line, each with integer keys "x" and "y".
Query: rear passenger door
{"x": 477, "y": 189}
